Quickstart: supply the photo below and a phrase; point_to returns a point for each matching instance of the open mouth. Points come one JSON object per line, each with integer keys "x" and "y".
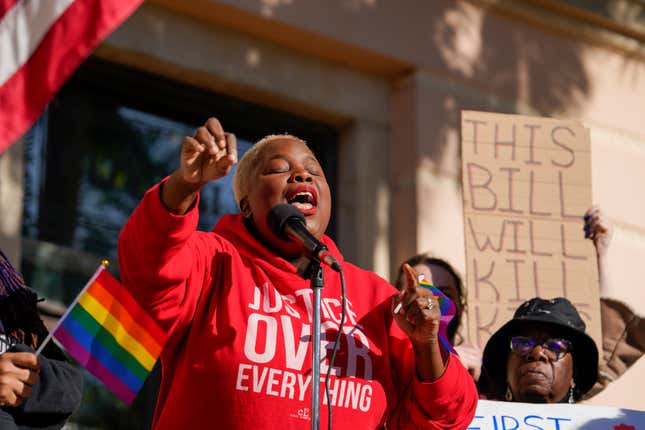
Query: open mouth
{"x": 304, "y": 198}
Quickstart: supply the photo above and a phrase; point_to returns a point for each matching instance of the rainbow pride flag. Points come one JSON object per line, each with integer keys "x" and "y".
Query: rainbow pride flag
{"x": 111, "y": 335}
{"x": 448, "y": 310}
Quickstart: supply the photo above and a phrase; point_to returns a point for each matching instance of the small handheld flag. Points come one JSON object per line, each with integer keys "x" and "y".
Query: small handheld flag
{"x": 448, "y": 310}
{"x": 111, "y": 335}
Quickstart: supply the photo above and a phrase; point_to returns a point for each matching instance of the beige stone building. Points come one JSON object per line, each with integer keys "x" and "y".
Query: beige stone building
{"x": 386, "y": 82}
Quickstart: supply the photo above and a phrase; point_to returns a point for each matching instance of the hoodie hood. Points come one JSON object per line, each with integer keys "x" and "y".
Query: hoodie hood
{"x": 233, "y": 229}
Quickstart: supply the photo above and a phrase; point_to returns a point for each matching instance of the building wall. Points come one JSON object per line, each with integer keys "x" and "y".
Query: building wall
{"x": 263, "y": 72}
{"x": 393, "y": 78}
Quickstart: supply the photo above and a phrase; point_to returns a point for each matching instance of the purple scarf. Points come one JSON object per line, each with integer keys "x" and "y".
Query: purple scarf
{"x": 18, "y": 311}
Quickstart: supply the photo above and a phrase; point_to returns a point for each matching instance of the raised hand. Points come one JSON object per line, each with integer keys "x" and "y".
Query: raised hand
{"x": 416, "y": 311}
{"x": 598, "y": 229}
{"x": 206, "y": 156}
{"x": 18, "y": 373}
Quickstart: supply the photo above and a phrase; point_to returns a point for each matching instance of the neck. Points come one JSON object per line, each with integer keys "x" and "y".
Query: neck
{"x": 287, "y": 250}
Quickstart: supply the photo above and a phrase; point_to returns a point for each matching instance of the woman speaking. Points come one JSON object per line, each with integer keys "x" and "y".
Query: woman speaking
{"x": 239, "y": 311}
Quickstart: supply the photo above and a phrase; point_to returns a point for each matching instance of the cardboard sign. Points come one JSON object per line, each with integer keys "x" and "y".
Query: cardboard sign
{"x": 525, "y": 416}
{"x": 526, "y": 187}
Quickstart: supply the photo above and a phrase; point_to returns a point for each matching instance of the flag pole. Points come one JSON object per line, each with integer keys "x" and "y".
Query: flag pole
{"x": 104, "y": 264}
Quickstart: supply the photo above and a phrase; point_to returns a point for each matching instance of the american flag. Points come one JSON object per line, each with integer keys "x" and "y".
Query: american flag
{"x": 42, "y": 42}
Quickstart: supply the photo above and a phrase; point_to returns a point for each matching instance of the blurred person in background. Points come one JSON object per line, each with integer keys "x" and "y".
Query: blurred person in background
{"x": 623, "y": 331}
{"x": 36, "y": 392}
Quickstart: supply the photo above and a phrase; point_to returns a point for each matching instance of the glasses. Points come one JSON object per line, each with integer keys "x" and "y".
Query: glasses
{"x": 554, "y": 349}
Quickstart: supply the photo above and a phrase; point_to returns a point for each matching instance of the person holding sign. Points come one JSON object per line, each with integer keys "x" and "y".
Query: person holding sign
{"x": 542, "y": 355}
{"x": 623, "y": 331}
{"x": 35, "y": 391}
{"x": 239, "y": 312}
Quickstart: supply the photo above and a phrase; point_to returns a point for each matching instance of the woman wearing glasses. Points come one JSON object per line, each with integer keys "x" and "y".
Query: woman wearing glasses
{"x": 542, "y": 355}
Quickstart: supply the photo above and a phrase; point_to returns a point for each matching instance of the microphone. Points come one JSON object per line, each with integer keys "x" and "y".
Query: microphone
{"x": 289, "y": 223}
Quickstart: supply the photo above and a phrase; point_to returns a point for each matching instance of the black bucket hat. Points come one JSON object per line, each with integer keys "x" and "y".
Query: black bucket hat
{"x": 561, "y": 315}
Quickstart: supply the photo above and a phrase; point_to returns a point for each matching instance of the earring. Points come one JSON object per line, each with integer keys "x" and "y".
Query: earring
{"x": 571, "y": 400}
{"x": 509, "y": 395}
{"x": 245, "y": 209}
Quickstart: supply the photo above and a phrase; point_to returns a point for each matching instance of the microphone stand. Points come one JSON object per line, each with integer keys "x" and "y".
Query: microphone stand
{"x": 317, "y": 283}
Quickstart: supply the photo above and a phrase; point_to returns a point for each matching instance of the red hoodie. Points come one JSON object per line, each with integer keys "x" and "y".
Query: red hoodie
{"x": 240, "y": 318}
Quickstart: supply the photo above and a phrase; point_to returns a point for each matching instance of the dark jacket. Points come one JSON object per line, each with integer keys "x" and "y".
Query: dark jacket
{"x": 56, "y": 395}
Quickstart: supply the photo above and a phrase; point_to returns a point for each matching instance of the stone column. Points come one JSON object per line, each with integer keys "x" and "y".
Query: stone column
{"x": 11, "y": 201}
{"x": 363, "y": 195}
{"x": 426, "y": 214}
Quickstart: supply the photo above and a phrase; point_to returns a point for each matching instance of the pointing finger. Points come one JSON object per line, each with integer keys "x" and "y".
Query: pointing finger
{"x": 411, "y": 277}
{"x": 408, "y": 294}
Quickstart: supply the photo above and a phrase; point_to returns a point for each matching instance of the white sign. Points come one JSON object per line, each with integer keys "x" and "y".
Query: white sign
{"x": 527, "y": 416}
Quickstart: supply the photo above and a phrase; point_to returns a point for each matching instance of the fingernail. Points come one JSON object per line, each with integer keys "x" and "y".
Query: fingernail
{"x": 397, "y": 309}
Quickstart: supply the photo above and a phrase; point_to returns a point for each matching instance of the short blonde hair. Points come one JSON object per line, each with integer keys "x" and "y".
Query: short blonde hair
{"x": 244, "y": 171}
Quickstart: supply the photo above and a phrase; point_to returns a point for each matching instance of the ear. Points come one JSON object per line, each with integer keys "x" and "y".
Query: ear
{"x": 245, "y": 208}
